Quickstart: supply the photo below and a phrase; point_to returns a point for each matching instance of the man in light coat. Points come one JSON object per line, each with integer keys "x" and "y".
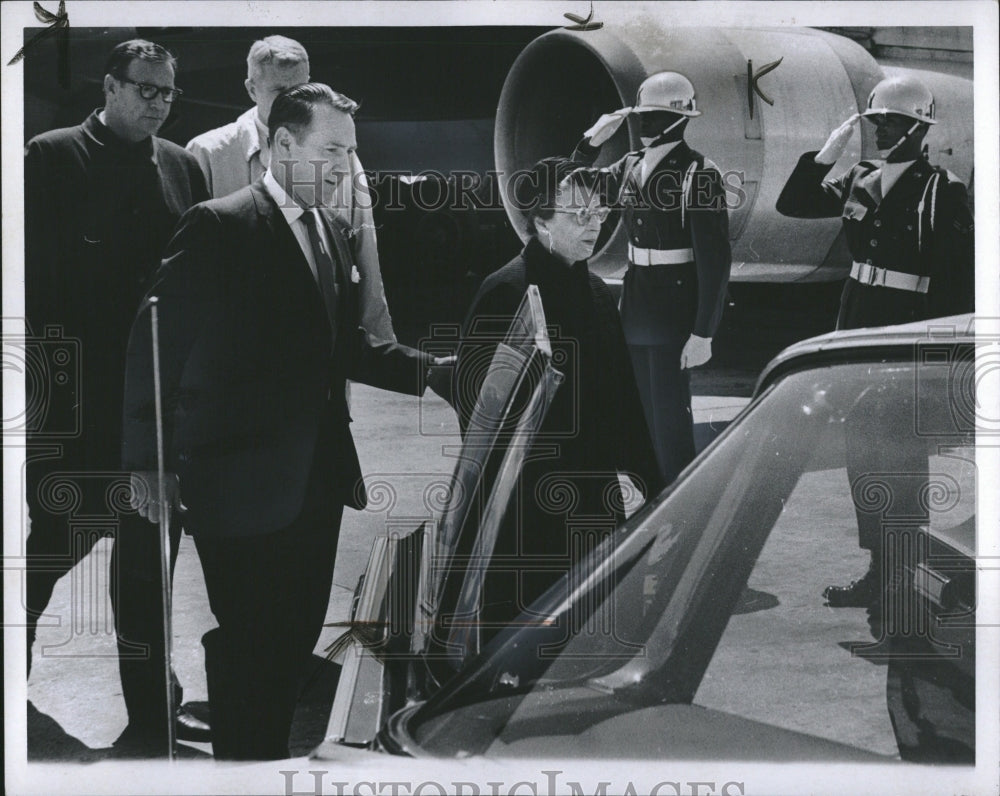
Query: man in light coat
{"x": 237, "y": 154}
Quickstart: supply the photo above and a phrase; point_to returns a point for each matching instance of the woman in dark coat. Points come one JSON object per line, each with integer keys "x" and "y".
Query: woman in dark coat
{"x": 569, "y": 498}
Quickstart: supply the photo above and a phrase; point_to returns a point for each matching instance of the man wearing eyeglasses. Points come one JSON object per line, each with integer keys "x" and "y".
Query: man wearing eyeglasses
{"x": 101, "y": 200}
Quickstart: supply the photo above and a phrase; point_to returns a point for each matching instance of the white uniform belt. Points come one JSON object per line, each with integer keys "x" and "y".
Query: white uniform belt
{"x": 638, "y": 256}
{"x": 882, "y": 277}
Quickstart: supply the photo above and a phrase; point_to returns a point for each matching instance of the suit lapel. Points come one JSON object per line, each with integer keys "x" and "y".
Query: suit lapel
{"x": 343, "y": 263}
{"x": 289, "y": 259}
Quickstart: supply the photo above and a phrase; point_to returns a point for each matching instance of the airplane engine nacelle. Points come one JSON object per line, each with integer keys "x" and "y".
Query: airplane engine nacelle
{"x": 564, "y": 80}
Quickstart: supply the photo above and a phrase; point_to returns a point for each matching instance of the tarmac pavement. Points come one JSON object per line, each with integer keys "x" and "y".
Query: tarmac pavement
{"x": 407, "y": 448}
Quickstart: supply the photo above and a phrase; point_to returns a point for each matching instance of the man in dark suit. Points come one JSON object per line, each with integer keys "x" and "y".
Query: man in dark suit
{"x": 259, "y": 328}
{"x": 101, "y": 200}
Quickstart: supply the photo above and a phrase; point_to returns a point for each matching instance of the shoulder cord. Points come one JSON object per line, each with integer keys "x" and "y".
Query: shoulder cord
{"x": 930, "y": 188}
{"x": 629, "y": 174}
{"x": 686, "y": 186}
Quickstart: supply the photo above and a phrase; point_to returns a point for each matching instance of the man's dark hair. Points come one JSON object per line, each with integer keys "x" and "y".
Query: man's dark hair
{"x": 293, "y": 107}
{"x": 137, "y": 50}
{"x": 535, "y": 191}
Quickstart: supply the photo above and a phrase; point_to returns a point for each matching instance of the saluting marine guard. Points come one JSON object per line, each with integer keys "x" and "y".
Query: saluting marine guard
{"x": 908, "y": 223}
{"x": 909, "y": 231}
{"x": 678, "y": 256}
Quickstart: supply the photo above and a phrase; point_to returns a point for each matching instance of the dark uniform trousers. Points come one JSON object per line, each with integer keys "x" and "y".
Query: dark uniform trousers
{"x": 921, "y": 227}
{"x": 679, "y": 206}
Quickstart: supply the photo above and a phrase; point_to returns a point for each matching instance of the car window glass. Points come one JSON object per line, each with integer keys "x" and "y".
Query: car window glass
{"x": 639, "y": 625}
{"x": 790, "y": 659}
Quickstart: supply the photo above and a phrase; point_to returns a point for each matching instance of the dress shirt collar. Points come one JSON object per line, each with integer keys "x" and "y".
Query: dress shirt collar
{"x": 289, "y": 208}
{"x": 104, "y": 136}
{"x": 292, "y": 212}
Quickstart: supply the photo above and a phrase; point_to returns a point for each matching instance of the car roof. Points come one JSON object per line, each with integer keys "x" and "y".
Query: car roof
{"x": 861, "y": 344}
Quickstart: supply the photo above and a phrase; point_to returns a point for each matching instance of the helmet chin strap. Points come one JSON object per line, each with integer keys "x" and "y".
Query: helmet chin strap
{"x": 899, "y": 143}
{"x": 661, "y": 138}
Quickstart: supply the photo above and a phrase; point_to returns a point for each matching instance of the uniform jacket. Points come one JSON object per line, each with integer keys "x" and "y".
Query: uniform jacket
{"x": 923, "y": 226}
{"x": 250, "y": 376}
{"x": 98, "y": 213}
{"x": 680, "y": 205}
{"x": 230, "y": 157}
{"x": 595, "y": 427}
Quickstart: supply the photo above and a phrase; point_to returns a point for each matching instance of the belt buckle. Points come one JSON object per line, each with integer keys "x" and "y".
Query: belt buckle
{"x": 873, "y": 277}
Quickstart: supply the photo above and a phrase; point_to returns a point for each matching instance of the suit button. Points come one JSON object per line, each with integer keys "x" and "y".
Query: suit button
{"x": 868, "y": 262}
{"x": 638, "y": 222}
{"x": 877, "y": 223}
{"x": 909, "y": 227}
{"x": 873, "y": 243}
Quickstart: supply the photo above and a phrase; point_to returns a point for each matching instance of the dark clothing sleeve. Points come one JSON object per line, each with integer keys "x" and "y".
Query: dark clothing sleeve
{"x": 709, "y": 221}
{"x": 808, "y": 195}
{"x": 388, "y": 365}
{"x": 952, "y": 255}
{"x": 240, "y": 364}
{"x": 186, "y": 286}
{"x": 586, "y": 153}
{"x": 43, "y": 297}
{"x": 485, "y": 326}
{"x": 199, "y": 185}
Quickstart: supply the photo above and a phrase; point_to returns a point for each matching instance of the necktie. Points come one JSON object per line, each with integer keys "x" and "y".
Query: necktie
{"x": 325, "y": 272}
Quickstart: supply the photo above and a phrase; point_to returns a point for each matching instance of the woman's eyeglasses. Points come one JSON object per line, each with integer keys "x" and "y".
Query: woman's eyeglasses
{"x": 583, "y": 214}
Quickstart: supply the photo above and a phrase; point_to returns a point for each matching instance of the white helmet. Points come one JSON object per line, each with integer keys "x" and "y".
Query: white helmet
{"x": 902, "y": 94}
{"x": 666, "y": 91}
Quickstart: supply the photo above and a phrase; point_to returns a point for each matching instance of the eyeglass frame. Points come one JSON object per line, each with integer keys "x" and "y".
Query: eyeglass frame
{"x": 583, "y": 214}
{"x": 168, "y": 94}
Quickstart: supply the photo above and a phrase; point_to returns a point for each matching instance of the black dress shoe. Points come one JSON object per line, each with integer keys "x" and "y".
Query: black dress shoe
{"x": 860, "y": 593}
{"x": 193, "y": 722}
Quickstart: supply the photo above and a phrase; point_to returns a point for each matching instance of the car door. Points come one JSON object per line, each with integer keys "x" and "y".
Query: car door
{"x": 414, "y": 618}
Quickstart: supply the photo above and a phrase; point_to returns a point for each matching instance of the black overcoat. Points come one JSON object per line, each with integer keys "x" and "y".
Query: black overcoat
{"x": 569, "y": 496}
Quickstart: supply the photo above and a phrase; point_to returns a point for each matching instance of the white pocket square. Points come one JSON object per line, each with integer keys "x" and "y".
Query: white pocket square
{"x": 355, "y": 276}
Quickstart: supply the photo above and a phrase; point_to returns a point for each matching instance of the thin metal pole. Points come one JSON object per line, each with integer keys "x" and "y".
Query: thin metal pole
{"x": 164, "y": 533}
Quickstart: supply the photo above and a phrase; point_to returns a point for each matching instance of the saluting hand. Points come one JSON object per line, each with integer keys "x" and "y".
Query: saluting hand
{"x": 145, "y": 497}
{"x": 837, "y": 142}
{"x": 606, "y": 126}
